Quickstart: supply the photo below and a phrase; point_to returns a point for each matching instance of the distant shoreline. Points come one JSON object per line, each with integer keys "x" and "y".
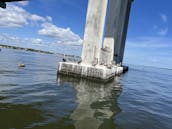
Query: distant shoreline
{"x": 26, "y": 49}
{"x": 70, "y": 57}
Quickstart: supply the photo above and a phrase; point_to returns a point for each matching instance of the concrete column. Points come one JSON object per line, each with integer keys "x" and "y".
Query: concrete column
{"x": 125, "y": 29}
{"x": 120, "y": 30}
{"x": 94, "y": 29}
{"x": 111, "y": 29}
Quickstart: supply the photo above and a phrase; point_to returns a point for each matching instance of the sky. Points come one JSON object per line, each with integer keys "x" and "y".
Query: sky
{"x": 58, "y": 26}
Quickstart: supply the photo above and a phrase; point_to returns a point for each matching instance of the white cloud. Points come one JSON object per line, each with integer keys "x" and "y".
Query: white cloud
{"x": 151, "y": 51}
{"x": 36, "y": 18}
{"x": 63, "y": 35}
{"x": 150, "y": 42}
{"x": 49, "y": 18}
{"x": 15, "y": 16}
{"x": 164, "y": 17}
{"x": 6, "y": 38}
{"x": 23, "y": 3}
{"x": 163, "y": 31}
{"x": 40, "y": 44}
{"x": 155, "y": 60}
{"x": 37, "y": 41}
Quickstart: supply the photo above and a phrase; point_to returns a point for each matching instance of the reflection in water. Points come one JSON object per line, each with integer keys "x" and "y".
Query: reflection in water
{"x": 97, "y": 103}
{"x": 31, "y": 98}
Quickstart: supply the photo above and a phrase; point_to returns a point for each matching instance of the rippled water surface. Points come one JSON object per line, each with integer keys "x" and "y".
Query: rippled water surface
{"x": 34, "y": 97}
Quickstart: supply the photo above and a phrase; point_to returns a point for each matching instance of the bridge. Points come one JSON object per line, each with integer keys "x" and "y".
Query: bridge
{"x": 104, "y": 41}
{"x": 3, "y": 2}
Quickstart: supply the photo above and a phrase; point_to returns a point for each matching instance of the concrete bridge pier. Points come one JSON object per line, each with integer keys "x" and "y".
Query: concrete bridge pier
{"x": 90, "y": 65}
{"x": 97, "y": 61}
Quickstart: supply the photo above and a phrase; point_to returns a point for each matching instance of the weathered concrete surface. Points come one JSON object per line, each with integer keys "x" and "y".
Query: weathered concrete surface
{"x": 98, "y": 72}
{"x": 105, "y": 55}
{"x": 94, "y": 29}
{"x": 108, "y": 45}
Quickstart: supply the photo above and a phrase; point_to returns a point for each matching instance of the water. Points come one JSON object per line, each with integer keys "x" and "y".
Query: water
{"x": 33, "y": 97}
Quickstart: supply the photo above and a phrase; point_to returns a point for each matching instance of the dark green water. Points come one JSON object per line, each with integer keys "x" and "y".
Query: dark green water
{"x": 35, "y": 98}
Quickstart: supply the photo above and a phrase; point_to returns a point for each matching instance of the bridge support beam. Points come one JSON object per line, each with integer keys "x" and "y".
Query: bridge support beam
{"x": 120, "y": 31}
{"x": 97, "y": 62}
{"x": 124, "y": 34}
{"x": 113, "y": 24}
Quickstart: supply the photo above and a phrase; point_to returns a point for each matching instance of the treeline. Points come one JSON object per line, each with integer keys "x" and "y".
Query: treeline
{"x": 68, "y": 57}
{"x": 26, "y": 49}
